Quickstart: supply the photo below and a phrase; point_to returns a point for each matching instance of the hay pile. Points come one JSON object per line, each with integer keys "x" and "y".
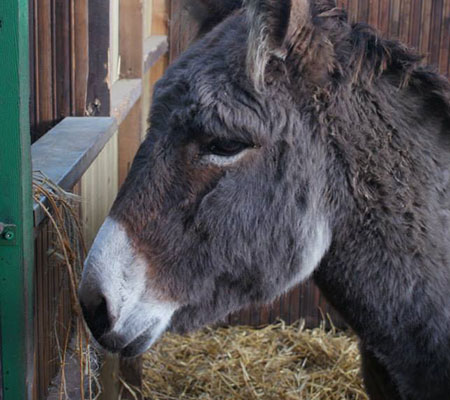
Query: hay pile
{"x": 276, "y": 362}
{"x": 74, "y": 350}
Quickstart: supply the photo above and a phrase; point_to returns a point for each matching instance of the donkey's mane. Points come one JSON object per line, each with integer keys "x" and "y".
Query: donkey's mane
{"x": 362, "y": 55}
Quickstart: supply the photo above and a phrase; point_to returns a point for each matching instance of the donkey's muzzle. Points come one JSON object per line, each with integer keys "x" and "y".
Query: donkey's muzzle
{"x": 122, "y": 309}
{"x": 98, "y": 316}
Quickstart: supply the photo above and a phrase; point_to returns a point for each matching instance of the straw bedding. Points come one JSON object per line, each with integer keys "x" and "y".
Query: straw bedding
{"x": 275, "y": 362}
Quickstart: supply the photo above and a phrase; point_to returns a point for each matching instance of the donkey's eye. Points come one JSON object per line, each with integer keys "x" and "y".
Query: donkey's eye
{"x": 226, "y": 148}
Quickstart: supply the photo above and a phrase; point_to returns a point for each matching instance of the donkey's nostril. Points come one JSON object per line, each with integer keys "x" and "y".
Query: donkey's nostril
{"x": 98, "y": 316}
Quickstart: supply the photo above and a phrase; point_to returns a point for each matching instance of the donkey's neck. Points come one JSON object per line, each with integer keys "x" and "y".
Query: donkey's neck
{"x": 397, "y": 302}
{"x": 388, "y": 269}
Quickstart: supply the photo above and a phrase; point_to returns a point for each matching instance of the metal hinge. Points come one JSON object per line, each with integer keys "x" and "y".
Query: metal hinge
{"x": 7, "y": 234}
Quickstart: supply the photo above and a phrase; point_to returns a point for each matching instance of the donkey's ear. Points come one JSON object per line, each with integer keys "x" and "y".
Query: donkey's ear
{"x": 272, "y": 24}
{"x": 210, "y": 13}
{"x": 284, "y": 28}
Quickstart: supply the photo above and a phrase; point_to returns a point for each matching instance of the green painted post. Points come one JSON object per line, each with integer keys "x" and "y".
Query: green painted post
{"x": 16, "y": 240}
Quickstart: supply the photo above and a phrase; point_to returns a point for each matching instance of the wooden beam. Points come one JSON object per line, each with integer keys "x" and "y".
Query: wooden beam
{"x": 67, "y": 151}
{"x": 155, "y": 47}
{"x": 80, "y": 46}
{"x": 160, "y": 17}
{"x": 124, "y": 95}
{"x": 131, "y": 39}
{"x": 99, "y": 82}
{"x": 44, "y": 67}
{"x": 131, "y": 373}
{"x": 129, "y": 140}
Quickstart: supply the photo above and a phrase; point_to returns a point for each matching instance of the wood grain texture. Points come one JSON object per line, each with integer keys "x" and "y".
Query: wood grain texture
{"x": 131, "y": 39}
{"x": 99, "y": 81}
{"x": 80, "y": 55}
{"x": 58, "y": 62}
{"x": 99, "y": 187}
{"x": 129, "y": 140}
{"x": 44, "y": 66}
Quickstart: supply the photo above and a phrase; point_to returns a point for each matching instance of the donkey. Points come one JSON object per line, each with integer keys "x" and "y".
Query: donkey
{"x": 286, "y": 143}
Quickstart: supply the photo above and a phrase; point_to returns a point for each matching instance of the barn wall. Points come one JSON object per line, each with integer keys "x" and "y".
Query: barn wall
{"x": 423, "y": 24}
{"x": 58, "y": 62}
{"x": 99, "y": 187}
{"x": 52, "y": 310}
{"x": 58, "y": 73}
{"x": 88, "y": 59}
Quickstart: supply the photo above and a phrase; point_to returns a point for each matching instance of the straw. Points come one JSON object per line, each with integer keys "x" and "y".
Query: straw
{"x": 62, "y": 212}
{"x": 274, "y": 362}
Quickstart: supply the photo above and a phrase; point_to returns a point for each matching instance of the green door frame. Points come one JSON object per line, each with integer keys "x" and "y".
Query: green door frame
{"x": 16, "y": 241}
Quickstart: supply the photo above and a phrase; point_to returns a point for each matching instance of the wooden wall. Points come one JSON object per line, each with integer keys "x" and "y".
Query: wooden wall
{"x": 99, "y": 187}
{"x": 58, "y": 74}
{"x": 87, "y": 59}
{"x": 58, "y": 62}
{"x": 52, "y": 311}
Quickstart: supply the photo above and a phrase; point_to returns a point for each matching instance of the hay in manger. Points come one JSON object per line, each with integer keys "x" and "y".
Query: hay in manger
{"x": 275, "y": 362}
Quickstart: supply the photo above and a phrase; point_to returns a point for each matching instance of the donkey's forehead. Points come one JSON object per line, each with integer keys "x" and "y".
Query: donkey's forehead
{"x": 207, "y": 89}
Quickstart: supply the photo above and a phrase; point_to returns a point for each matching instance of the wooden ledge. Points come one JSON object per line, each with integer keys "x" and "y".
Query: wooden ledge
{"x": 155, "y": 47}
{"x": 65, "y": 152}
{"x": 126, "y": 92}
{"x": 124, "y": 95}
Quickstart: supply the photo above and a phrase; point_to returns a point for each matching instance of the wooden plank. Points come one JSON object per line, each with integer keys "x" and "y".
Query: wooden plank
{"x": 425, "y": 29}
{"x": 155, "y": 47}
{"x": 114, "y": 40}
{"x": 99, "y": 187}
{"x": 129, "y": 140}
{"x": 435, "y": 34}
{"x": 124, "y": 95}
{"x": 264, "y": 315}
{"x": 80, "y": 46}
{"x": 99, "y": 81}
{"x": 414, "y": 34}
{"x": 444, "y": 57}
{"x": 131, "y": 373}
{"x": 160, "y": 17}
{"x": 175, "y": 30}
{"x": 109, "y": 378}
{"x": 295, "y": 304}
{"x": 44, "y": 70}
{"x": 363, "y": 11}
{"x": 394, "y": 20}
{"x": 131, "y": 39}
{"x": 353, "y": 10}
{"x": 64, "y": 156}
{"x": 405, "y": 20}
{"x": 62, "y": 59}
{"x": 374, "y": 10}
{"x": 148, "y": 15}
{"x": 384, "y": 15}
{"x": 33, "y": 74}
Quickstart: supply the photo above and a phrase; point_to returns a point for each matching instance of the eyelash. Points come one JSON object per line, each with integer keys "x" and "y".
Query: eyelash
{"x": 226, "y": 148}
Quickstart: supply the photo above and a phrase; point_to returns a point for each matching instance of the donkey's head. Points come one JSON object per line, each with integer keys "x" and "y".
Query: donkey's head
{"x": 226, "y": 202}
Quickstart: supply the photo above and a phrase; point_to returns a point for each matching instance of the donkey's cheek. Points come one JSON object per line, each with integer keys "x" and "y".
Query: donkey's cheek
{"x": 122, "y": 307}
